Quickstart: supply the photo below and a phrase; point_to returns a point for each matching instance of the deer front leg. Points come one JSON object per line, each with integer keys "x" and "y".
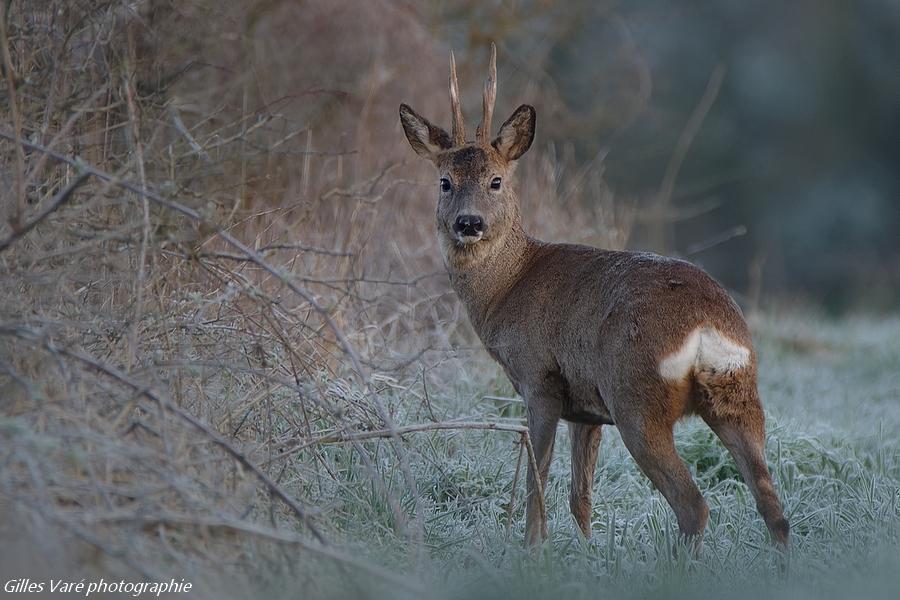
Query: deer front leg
{"x": 585, "y": 445}
{"x": 543, "y": 416}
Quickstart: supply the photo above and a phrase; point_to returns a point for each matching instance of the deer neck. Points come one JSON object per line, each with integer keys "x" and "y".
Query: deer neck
{"x": 482, "y": 279}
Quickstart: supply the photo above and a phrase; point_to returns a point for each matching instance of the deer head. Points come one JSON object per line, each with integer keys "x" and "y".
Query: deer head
{"x": 477, "y": 207}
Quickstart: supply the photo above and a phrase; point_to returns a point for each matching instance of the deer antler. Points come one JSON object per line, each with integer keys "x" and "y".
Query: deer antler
{"x": 483, "y": 133}
{"x": 458, "y": 124}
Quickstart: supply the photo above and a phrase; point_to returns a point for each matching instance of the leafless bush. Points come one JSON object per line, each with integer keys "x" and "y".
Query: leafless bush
{"x": 216, "y": 258}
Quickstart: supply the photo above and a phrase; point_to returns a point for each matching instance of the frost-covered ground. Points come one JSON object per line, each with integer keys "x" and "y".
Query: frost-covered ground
{"x": 832, "y": 395}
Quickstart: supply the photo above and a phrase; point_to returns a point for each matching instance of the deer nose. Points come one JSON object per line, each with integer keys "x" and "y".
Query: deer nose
{"x": 468, "y": 225}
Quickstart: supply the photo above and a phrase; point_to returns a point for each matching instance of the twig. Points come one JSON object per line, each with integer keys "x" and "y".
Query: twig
{"x": 289, "y": 152}
{"x": 512, "y": 493}
{"x": 180, "y": 127}
{"x": 264, "y": 251}
{"x": 138, "y": 148}
{"x": 522, "y": 430}
{"x": 728, "y": 234}
{"x": 418, "y": 428}
{"x": 240, "y": 135}
{"x": 689, "y": 133}
{"x": 304, "y": 248}
{"x": 675, "y": 214}
{"x": 58, "y": 200}
{"x": 19, "y": 214}
{"x": 667, "y": 186}
{"x": 426, "y": 398}
{"x": 538, "y": 484}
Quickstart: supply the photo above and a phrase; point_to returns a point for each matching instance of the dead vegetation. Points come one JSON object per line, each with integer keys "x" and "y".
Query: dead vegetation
{"x": 215, "y": 263}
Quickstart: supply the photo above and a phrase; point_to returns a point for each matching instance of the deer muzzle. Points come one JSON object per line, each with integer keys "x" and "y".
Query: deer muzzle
{"x": 468, "y": 228}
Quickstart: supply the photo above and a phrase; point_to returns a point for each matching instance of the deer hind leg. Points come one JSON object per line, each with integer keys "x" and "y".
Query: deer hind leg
{"x": 585, "y": 446}
{"x": 543, "y": 416}
{"x": 740, "y": 425}
{"x": 653, "y": 447}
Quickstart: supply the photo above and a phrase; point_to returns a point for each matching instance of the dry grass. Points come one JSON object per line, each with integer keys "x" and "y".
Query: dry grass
{"x": 213, "y": 266}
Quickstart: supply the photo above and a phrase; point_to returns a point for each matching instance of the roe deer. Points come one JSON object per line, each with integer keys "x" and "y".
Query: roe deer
{"x": 592, "y": 336}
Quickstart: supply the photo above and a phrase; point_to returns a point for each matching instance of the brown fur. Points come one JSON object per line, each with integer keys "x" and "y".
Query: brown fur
{"x": 581, "y": 331}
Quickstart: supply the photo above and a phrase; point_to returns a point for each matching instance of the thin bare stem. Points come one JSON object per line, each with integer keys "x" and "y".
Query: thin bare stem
{"x": 19, "y": 174}
{"x": 538, "y": 484}
{"x": 694, "y": 122}
{"x": 58, "y": 200}
{"x": 512, "y": 494}
{"x": 522, "y": 430}
{"x": 138, "y": 148}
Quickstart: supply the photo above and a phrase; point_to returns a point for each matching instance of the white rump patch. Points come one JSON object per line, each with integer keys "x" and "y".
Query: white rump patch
{"x": 704, "y": 348}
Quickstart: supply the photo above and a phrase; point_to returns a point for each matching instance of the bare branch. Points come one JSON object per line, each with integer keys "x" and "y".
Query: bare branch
{"x": 522, "y": 430}
{"x": 19, "y": 175}
{"x": 691, "y": 128}
{"x": 58, "y": 200}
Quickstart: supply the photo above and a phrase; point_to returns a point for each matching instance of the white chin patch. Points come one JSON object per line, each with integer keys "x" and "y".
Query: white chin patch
{"x": 706, "y": 348}
{"x": 465, "y": 240}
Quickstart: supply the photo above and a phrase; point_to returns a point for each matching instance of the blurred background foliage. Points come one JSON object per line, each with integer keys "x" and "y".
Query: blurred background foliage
{"x": 800, "y": 148}
{"x": 760, "y": 140}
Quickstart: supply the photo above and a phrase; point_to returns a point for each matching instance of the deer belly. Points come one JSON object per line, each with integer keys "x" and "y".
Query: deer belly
{"x": 583, "y": 404}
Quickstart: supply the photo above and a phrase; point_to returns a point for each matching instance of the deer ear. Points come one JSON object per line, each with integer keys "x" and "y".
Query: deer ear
{"x": 516, "y": 135}
{"x": 426, "y": 138}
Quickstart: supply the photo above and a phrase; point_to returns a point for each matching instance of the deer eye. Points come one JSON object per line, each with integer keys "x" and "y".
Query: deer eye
{"x": 445, "y": 184}
{"x": 495, "y": 183}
